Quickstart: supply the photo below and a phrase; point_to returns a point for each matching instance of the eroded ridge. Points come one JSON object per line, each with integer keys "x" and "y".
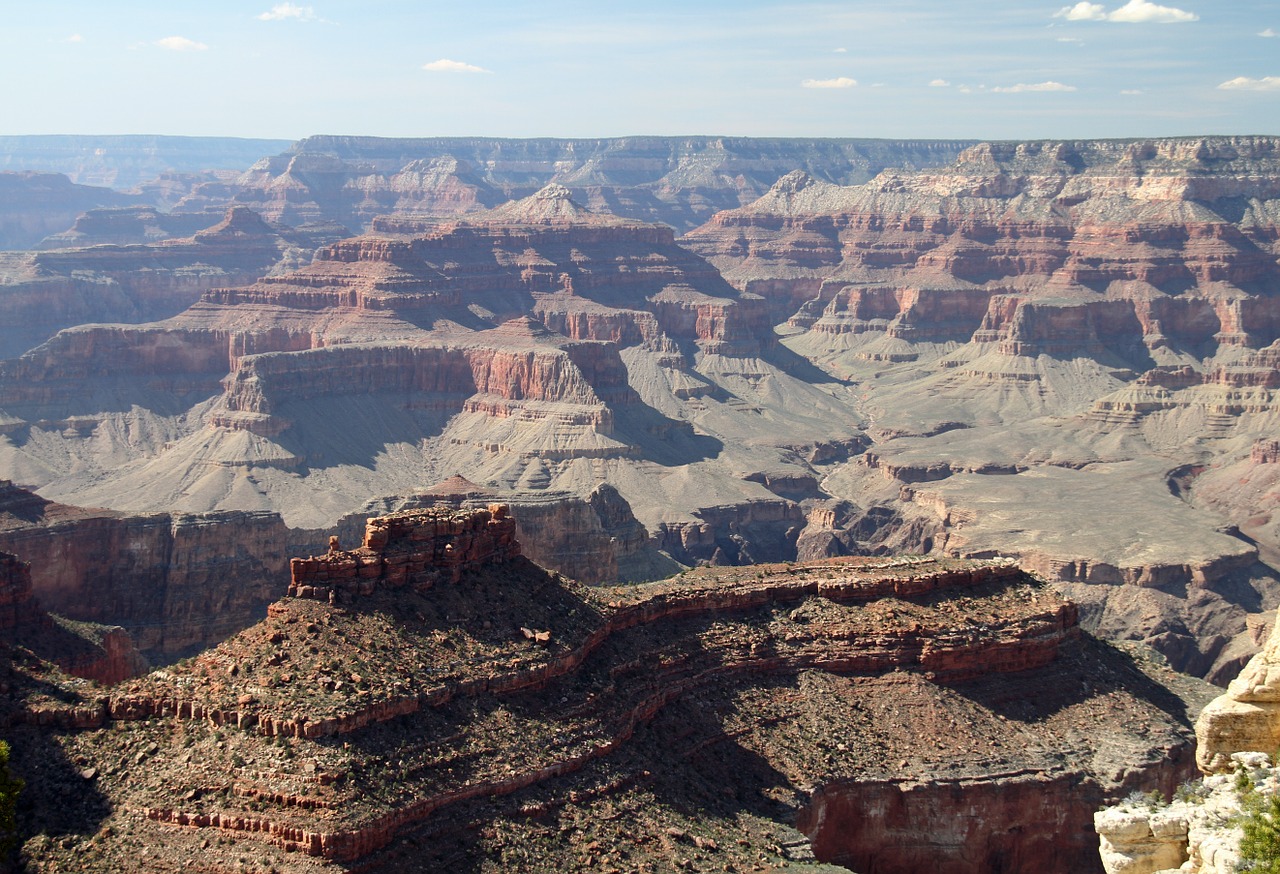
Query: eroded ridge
{"x": 369, "y": 703}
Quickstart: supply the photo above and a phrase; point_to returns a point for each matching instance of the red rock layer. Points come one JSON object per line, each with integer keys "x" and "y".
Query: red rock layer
{"x": 175, "y": 582}
{"x": 16, "y": 606}
{"x": 54, "y": 290}
{"x": 1132, "y": 233}
{"x": 416, "y": 548}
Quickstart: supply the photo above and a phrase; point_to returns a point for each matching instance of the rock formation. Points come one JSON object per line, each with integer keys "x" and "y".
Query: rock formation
{"x": 534, "y": 348}
{"x": 680, "y": 181}
{"x": 104, "y": 654}
{"x": 175, "y": 582}
{"x": 1055, "y": 327}
{"x": 477, "y": 706}
{"x": 34, "y": 205}
{"x": 1198, "y": 833}
{"x": 1083, "y": 331}
{"x": 16, "y": 606}
{"x": 1247, "y": 717}
{"x": 42, "y": 293}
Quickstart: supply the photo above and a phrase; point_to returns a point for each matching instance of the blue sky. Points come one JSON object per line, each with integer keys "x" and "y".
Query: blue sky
{"x": 996, "y": 69}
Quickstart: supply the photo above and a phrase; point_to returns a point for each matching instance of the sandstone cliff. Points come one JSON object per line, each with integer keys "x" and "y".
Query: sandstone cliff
{"x": 175, "y": 582}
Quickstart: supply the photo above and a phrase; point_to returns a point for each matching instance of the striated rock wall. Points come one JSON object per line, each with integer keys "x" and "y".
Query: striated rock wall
{"x": 52, "y": 290}
{"x": 1010, "y": 822}
{"x": 415, "y": 548}
{"x": 596, "y": 540}
{"x": 175, "y": 582}
{"x": 679, "y": 181}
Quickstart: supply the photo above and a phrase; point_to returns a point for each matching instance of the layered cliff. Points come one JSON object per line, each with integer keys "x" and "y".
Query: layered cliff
{"x": 42, "y": 293}
{"x": 1073, "y": 329}
{"x": 1060, "y": 327}
{"x": 532, "y": 348}
{"x": 36, "y": 204}
{"x": 175, "y": 582}
{"x": 442, "y": 700}
{"x": 679, "y": 181}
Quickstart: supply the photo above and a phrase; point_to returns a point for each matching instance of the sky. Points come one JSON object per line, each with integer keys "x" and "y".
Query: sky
{"x": 972, "y": 69}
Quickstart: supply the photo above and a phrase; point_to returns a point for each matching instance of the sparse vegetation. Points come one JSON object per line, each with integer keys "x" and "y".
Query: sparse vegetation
{"x": 10, "y": 787}
{"x": 1191, "y": 791}
{"x": 1260, "y": 843}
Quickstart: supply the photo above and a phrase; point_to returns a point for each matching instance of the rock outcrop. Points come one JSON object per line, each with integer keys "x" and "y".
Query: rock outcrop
{"x": 175, "y": 582}
{"x": 1247, "y": 717}
{"x": 593, "y": 540}
{"x": 16, "y": 606}
{"x": 680, "y": 181}
{"x": 393, "y": 720}
{"x": 44, "y": 292}
{"x": 414, "y": 548}
{"x": 34, "y": 205}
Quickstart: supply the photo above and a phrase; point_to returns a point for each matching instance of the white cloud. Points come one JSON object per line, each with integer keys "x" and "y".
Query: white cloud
{"x": 939, "y": 83}
{"x": 841, "y": 51}
{"x": 842, "y": 82}
{"x": 180, "y": 44}
{"x": 1269, "y": 32}
{"x": 1133, "y": 12}
{"x": 444, "y": 65}
{"x": 1071, "y": 39}
{"x": 281, "y": 11}
{"x": 1145, "y": 12}
{"x": 1083, "y": 12}
{"x": 1244, "y": 83}
{"x": 75, "y": 37}
{"x": 1132, "y": 92}
{"x": 965, "y": 89}
{"x": 1039, "y": 86}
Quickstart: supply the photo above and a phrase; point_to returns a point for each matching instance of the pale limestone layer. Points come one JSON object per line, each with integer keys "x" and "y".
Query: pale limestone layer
{"x": 1197, "y": 835}
{"x": 1247, "y": 716}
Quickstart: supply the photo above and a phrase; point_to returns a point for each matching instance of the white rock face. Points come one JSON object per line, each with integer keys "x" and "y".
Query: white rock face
{"x": 1247, "y": 717}
{"x": 1197, "y": 835}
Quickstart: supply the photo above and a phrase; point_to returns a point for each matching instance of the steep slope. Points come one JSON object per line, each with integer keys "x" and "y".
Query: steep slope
{"x": 432, "y": 700}
{"x": 1048, "y": 336}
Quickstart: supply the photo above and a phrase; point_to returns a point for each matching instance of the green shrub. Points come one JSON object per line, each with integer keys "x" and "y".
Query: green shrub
{"x": 1260, "y": 843}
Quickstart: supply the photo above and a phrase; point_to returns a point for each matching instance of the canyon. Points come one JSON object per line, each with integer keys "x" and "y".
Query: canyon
{"x": 432, "y": 698}
{"x": 1063, "y": 352}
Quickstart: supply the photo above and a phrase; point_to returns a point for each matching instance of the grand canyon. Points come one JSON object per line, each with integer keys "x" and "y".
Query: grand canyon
{"x": 633, "y": 504}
